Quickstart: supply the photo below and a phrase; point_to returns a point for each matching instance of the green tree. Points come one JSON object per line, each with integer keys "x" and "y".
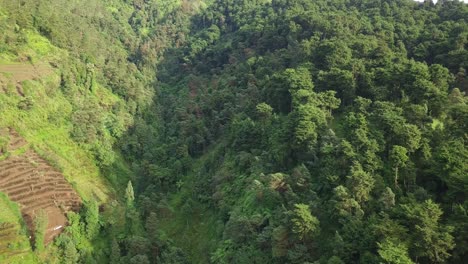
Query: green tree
{"x": 92, "y": 219}
{"x": 398, "y": 159}
{"x": 70, "y": 254}
{"x": 304, "y": 224}
{"x": 335, "y": 260}
{"x": 340, "y": 81}
{"x": 76, "y": 230}
{"x": 394, "y": 253}
{"x": 430, "y": 238}
{"x": 114, "y": 256}
{"x": 387, "y": 199}
{"x": 129, "y": 194}
{"x": 151, "y": 226}
{"x": 344, "y": 204}
{"x": 360, "y": 183}
{"x": 329, "y": 102}
{"x": 264, "y": 111}
{"x": 451, "y": 166}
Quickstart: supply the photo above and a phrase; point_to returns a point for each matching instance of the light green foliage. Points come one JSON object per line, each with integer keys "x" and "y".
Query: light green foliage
{"x": 394, "y": 253}
{"x": 68, "y": 248}
{"x": 387, "y": 199}
{"x": 76, "y": 230}
{"x": 14, "y": 234}
{"x": 309, "y": 120}
{"x": 9, "y": 211}
{"x": 129, "y": 194}
{"x": 305, "y": 225}
{"x": 40, "y": 226}
{"x": 264, "y": 110}
{"x": 298, "y": 79}
{"x": 329, "y": 102}
{"x": 92, "y": 219}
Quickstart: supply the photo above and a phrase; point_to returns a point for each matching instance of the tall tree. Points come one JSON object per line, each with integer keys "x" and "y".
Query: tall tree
{"x": 304, "y": 224}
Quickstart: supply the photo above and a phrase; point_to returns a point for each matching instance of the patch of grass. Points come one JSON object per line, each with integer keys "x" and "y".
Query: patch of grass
{"x": 39, "y": 44}
{"x": 6, "y": 74}
{"x": 26, "y": 257}
{"x": 9, "y": 211}
{"x": 19, "y": 244}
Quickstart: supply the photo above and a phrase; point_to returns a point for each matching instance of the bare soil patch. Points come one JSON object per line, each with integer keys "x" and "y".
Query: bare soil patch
{"x": 15, "y": 74}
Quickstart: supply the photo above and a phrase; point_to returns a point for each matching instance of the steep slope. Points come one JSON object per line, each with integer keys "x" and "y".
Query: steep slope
{"x": 14, "y": 243}
{"x": 311, "y": 131}
{"x": 73, "y": 78}
{"x": 36, "y": 186}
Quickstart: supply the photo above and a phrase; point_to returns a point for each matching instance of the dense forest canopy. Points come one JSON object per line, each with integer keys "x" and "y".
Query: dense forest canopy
{"x": 261, "y": 131}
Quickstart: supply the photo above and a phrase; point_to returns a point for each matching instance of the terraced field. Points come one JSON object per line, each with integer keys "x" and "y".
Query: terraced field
{"x": 30, "y": 181}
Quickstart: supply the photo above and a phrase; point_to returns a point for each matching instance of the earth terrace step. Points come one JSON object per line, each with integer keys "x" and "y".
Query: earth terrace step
{"x": 20, "y": 197}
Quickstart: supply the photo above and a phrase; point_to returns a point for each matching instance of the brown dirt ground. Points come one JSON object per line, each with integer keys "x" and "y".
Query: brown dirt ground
{"x": 15, "y": 74}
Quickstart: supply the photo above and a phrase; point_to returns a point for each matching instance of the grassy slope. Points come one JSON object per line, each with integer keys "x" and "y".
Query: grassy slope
{"x": 46, "y": 127}
{"x": 10, "y": 213}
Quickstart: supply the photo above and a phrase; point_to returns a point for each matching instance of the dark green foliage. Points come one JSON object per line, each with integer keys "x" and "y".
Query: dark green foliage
{"x": 431, "y": 239}
{"x": 69, "y": 250}
{"x": 114, "y": 256}
{"x": 349, "y": 110}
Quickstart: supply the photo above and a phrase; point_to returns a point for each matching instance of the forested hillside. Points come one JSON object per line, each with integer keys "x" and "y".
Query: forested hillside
{"x": 74, "y": 77}
{"x": 235, "y": 131}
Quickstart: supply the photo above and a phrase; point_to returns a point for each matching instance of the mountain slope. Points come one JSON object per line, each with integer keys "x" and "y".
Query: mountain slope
{"x": 312, "y": 131}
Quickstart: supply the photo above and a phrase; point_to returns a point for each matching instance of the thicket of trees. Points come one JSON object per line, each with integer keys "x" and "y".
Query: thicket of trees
{"x": 307, "y": 131}
{"x": 105, "y": 55}
{"x": 315, "y": 131}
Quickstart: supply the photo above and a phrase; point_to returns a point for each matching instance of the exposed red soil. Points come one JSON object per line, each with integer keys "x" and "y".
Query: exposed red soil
{"x": 30, "y": 181}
